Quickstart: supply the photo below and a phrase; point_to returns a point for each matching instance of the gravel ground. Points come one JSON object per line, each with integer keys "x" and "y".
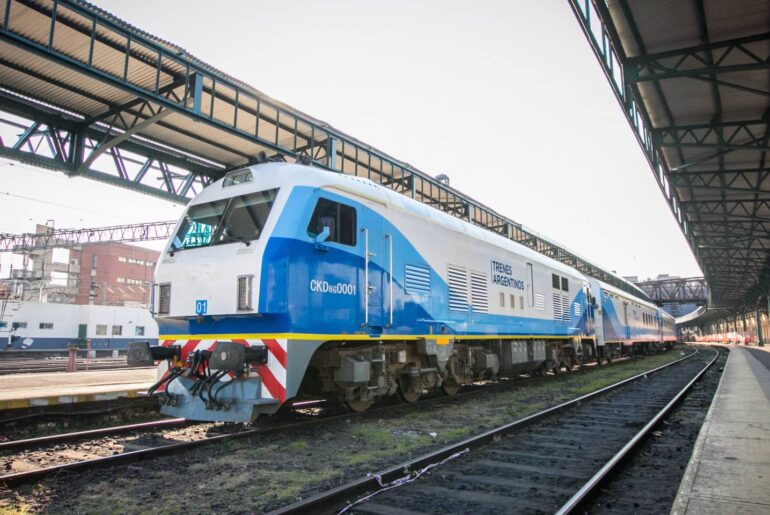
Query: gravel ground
{"x": 648, "y": 482}
{"x": 265, "y": 472}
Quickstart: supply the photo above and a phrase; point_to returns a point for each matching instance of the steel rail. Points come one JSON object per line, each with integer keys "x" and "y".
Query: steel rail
{"x": 10, "y": 480}
{"x": 597, "y": 479}
{"x": 76, "y": 435}
{"x": 19, "y": 478}
{"x": 372, "y": 481}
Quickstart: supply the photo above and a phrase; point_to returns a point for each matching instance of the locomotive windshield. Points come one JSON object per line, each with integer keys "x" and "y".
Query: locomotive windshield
{"x": 240, "y": 218}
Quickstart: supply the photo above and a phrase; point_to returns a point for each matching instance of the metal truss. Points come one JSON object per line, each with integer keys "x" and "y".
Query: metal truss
{"x": 705, "y": 62}
{"x": 34, "y": 134}
{"x": 747, "y": 136}
{"x": 69, "y": 238}
{"x": 714, "y": 175}
{"x": 691, "y": 290}
{"x": 738, "y": 180}
{"x": 180, "y": 123}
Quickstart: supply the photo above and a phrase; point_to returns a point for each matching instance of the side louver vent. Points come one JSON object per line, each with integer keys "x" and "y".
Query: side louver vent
{"x": 560, "y": 295}
{"x": 557, "y": 313}
{"x": 458, "y": 288}
{"x": 417, "y": 279}
{"x": 479, "y": 293}
{"x": 244, "y": 292}
{"x": 164, "y": 299}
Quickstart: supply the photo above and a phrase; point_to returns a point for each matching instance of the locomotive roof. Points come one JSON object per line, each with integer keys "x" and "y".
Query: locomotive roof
{"x": 278, "y": 175}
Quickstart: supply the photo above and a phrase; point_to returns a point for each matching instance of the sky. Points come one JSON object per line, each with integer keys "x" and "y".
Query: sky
{"x": 505, "y": 97}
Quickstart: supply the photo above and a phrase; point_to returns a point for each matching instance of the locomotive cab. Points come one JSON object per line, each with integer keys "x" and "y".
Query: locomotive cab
{"x": 228, "y": 224}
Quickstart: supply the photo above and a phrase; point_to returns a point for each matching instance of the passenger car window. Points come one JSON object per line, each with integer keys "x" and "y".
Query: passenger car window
{"x": 339, "y": 218}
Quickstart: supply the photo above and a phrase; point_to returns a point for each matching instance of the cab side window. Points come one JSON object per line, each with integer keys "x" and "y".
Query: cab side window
{"x": 339, "y": 218}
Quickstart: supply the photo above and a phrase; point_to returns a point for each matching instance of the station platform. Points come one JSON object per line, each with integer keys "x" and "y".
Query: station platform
{"x": 729, "y": 471}
{"x": 48, "y": 389}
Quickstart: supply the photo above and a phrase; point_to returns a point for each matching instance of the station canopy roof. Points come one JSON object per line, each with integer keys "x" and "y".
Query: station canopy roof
{"x": 693, "y": 77}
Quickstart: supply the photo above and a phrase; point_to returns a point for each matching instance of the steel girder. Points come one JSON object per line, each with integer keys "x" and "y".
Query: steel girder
{"x": 722, "y": 209}
{"x": 62, "y": 142}
{"x": 690, "y": 290}
{"x": 68, "y": 238}
{"x": 705, "y": 62}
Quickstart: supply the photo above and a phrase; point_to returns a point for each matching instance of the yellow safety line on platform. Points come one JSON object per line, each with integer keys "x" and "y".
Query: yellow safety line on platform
{"x": 54, "y": 400}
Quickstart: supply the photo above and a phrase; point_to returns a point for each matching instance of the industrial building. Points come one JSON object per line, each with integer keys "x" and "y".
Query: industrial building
{"x": 111, "y": 273}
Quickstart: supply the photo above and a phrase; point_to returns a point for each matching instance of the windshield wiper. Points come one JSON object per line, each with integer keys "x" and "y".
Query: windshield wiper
{"x": 231, "y": 237}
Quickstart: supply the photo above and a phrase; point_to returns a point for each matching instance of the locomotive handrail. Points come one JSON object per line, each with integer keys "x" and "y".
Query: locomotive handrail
{"x": 390, "y": 276}
{"x": 366, "y": 276}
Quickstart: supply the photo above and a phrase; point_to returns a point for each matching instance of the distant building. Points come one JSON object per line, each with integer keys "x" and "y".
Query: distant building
{"x": 115, "y": 274}
{"x": 109, "y": 274}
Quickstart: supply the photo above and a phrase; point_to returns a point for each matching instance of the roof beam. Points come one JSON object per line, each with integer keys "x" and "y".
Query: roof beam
{"x": 737, "y": 55}
{"x": 713, "y": 124}
{"x": 728, "y": 45}
{"x": 125, "y": 135}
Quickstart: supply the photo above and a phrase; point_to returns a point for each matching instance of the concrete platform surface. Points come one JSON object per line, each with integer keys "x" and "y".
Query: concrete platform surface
{"x": 30, "y": 390}
{"x": 729, "y": 471}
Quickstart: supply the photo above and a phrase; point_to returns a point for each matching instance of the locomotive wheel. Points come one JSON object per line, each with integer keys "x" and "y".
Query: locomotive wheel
{"x": 358, "y": 406}
{"x": 404, "y": 393}
{"x": 557, "y": 369}
{"x": 543, "y": 371}
{"x": 609, "y": 358}
{"x": 450, "y": 387}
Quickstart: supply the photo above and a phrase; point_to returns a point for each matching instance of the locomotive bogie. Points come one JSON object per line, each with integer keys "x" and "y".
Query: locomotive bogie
{"x": 363, "y": 373}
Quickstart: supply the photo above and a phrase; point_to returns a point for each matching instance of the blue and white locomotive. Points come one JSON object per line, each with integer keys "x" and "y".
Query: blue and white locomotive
{"x": 285, "y": 282}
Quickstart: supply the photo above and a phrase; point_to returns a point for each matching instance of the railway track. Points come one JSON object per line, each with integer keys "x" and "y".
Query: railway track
{"x": 89, "y": 433}
{"x": 547, "y": 462}
{"x": 296, "y": 419}
{"x": 648, "y": 480}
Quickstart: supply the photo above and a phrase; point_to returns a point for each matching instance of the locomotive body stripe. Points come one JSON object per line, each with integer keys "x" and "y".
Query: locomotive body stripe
{"x": 273, "y": 386}
{"x": 275, "y": 348}
{"x": 189, "y": 347}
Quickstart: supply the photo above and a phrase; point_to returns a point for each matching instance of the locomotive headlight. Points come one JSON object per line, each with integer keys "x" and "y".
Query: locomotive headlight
{"x": 233, "y": 356}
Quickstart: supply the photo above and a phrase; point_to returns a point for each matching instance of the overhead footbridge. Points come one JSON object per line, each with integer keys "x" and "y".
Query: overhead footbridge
{"x": 693, "y": 80}
{"x": 87, "y": 94}
{"x": 676, "y": 290}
